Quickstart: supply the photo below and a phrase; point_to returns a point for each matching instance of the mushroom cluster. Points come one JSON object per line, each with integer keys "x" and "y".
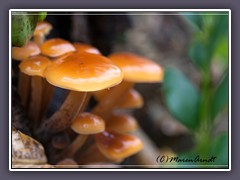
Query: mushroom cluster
{"x": 74, "y": 134}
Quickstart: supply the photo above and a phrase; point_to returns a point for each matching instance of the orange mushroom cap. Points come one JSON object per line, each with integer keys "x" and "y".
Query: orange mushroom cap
{"x": 43, "y": 28}
{"x": 22, "y": 53}
{"x": 83, "y": 72}
{"x": 80, "y": 47}
{"x": 56, "y": 47}
{"x": 117, "y": 146}
{"x": 132, "y": 99}
{"x": 137, "y": 68}
{"x": 122, "y": 123}
{"x": 35, "y": 66}
{"x": 88, "y": 123}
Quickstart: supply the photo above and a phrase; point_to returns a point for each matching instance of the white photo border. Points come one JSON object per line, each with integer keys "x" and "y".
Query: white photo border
{"x": 137, "y": 12}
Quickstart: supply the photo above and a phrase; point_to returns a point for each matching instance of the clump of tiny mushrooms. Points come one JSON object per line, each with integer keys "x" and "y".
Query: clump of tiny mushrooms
{"x": 71, "y": 136}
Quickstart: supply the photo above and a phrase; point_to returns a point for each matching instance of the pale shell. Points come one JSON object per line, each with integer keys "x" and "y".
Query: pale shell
{"x": 26, "y": 150}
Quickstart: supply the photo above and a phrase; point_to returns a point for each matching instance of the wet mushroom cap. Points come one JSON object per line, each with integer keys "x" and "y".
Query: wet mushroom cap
{"x": 80, "y": 47}
{"x": 88, "y": 123}
{"x": 34, "y": 66}
{"x": 83, "y": 72}
{"x": 121, "y": 123}
{"x": 137, "y": 68}
{"x": 117, "y": 146}
{"x": 43, "y": 28}
{"x": 132, "y": 99}
{"x": 56, "y": 47}
{"x": 22, "y": 53}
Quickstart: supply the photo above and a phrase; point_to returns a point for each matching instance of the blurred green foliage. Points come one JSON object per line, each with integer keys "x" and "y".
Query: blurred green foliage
{"x": 197, "y": 108}
{"x": 23, "y": 25}
{"x": 177, "y": 89}
{"x": 220, "y": 97}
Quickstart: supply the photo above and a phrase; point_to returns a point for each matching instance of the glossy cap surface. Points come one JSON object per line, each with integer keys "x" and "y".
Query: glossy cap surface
{"x": 83, "y": 72}
{"x": 22, "y": 53}
{"x": 35, "y": 66}
{"x": 117, "y": 146}
{"x": 43, "y": 28}
{"x": 122, "y": 123}
{"x": 87, "y": 123}
{"x": 56, "y": 47}
{"x": 137, "y": 68}
{"x": 80, "y": 47}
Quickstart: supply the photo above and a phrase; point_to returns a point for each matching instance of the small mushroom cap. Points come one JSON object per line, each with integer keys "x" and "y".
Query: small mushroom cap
{"x": 22, "y": 53}
{"x": 137, "y": 68}
{"x": 121, "y": 123}
{"x": 117, "y": 146}
{"x": 56, "y": 47}
{"x": 132, "y": 99}
{"x": 43, "y": 28}
{"x": 88, "y": 123}
{"x": 34, "y": 66}
{"x": 83, "y": 72}
{"x": 80, "y": 47}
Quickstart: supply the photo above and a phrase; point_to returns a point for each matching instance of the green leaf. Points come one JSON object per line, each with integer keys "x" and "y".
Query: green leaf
{"x": 23, "y": 25}
{"x": 182, "y": 98}
{"x": 199, "y": 54}
{"x": 215, "y": 152}
{"x": 195, "y": 20}
{"x": 42, "y": 16}
{"x": 221, "y": 52}
{"x": 219, "y": 148}
{"x": 220, "y": 97}
{"x": 218, "y": 30}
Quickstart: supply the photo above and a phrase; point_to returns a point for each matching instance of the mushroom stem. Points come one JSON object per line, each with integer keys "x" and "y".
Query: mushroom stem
{"x": 92, "y": 154}
{"x": 105, "y": 106}
{"x": 24, "y": 88}
{"x": 38, "y": 39}
{"x": 48, "y": 91}
{"x": 36, "y": 98}
{"x": 85, "y": 124}
{"x": 62, "y": 119}
{"x": 73, "y": 147}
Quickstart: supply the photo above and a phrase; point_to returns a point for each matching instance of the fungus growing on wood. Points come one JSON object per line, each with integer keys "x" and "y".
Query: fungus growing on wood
{"x": 84, "y": 124}
{"x": 136, "y": 69}
{"x": 131, "y": 100}
{"x": 80, "y": 73}
{"x": 34, "y": 67}
{"x": 117, "y": 146}
{"x": 56, "y": 47}
{"x": 121, "y": 123}
{"x": 42, "y": 29}
{"x": 80, "y": 47}
{"x": 22, "y": 53}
